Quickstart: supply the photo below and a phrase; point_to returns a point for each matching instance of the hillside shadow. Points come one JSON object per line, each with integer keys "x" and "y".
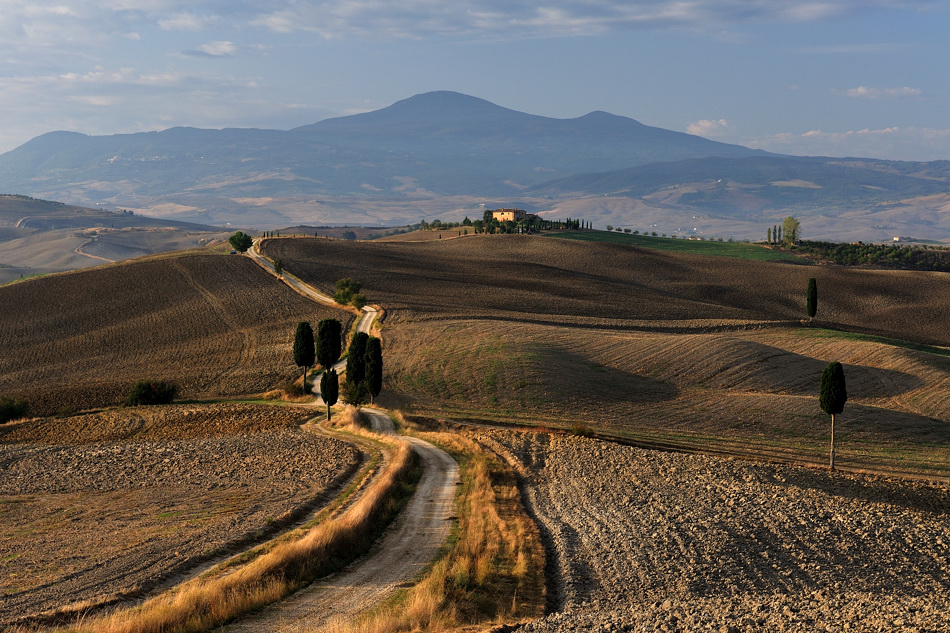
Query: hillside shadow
{"x": 578, "y": 377}
{"x": 762, "y": 367}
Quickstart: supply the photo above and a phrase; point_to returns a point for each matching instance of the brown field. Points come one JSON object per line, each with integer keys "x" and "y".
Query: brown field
{"x": 700, "y": 352}
{"x": 100, "y": 506}
{"x": 751, "y": 391}
{"x": 217, "y": 325}
{"x": 533, "y": 279}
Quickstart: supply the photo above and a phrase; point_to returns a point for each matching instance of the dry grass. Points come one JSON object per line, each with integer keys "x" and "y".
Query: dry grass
{"x": 492, "y": 569}
{"x": 205, "y": 603}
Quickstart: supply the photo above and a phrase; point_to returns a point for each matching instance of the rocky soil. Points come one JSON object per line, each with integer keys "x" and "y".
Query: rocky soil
{"x": 650, "y": 541}
{"x": 89, "y": 522}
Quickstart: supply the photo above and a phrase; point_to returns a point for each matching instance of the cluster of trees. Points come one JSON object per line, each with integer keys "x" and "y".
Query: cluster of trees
{"x": 364, "y": 362}
{"x": 884, "y": 255}
{"x": 787, "y": 233}
{"x": 240, "y": 241}
{"x": 348, "y": 293}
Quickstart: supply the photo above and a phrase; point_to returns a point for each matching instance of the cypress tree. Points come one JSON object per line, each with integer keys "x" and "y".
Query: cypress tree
{"x": 330, "y": 388}
{"x": 304, "y": 349}
{"x": 355, "y": 363}
{"x": 374, "y": 367}
{"x": 832, "y": 395}
{"x": 812, "y": 300}
{"x": 329, "y": 342}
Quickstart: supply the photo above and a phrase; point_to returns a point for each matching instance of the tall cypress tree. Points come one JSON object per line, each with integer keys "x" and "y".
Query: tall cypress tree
{"x": 329, "y": 342}
{"x": 304, "y": 349}
{"x": 832, "y": 395}
{"x": 812, "y": 300}
{"x": 355, "y": 363}
{"x": 330, "y": 388}
{"x": 374, "y": 367}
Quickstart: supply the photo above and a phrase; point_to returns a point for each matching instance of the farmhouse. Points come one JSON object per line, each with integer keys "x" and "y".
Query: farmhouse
{"x": 512, "y": 215}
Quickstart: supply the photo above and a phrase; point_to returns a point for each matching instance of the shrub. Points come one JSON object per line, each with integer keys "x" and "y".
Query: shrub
{"x": 345, "y": 289}
{"x": 581, "y": 430}
{"x": 146, "y": 392}
{"x": 13, "y": 409}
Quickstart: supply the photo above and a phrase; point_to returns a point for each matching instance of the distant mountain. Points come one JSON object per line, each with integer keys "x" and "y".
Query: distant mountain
{"x": 440, "y": 142}
{"x": 738, "y": 186}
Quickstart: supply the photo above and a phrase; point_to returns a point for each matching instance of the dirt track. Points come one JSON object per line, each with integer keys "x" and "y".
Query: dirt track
{"x": 647, "y": 541}
{"x": 408, "y": 546}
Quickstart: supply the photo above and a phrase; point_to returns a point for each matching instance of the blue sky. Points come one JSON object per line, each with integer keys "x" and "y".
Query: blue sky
{"x": 818, "y": 77}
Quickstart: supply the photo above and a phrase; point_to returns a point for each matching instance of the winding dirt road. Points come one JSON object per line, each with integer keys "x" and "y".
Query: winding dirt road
{"x": 408, "y": 546}
{"x": 403, "y": 553}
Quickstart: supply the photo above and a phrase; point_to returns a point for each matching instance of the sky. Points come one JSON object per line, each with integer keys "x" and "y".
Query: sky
{"x": 868, "y": 78}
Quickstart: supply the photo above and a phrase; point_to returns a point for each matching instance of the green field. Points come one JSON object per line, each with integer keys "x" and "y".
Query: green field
{"x": 738, "y": 250}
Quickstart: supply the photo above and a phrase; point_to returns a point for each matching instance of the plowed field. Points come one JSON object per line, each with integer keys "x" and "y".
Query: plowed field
{"x": 95, "y": 507}
{"x": 534, "y": 279}
{"x": 217, "y": 325}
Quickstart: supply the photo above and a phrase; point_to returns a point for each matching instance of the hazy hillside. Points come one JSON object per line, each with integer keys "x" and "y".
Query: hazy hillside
{"x": 39, "y": 236}
{"x": 443, "y": 142}
{"x": 445, "y": 155}
{"x": 738, "y": 186}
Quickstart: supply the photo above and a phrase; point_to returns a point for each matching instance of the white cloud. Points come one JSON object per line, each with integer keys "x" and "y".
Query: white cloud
{"x": 706, "y": 127}
{"x": 415, "y": 18}
{"x": 185, "y": 22}
{"x": 218, "y": 49}
{"x": 94, "y": 100}
{"x": 897, "y": 143}
{"x": 863, "y": 92}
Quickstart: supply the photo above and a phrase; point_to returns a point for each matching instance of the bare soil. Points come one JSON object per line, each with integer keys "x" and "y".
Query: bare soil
{"x": 141, "y": 496}
{"x": 651, "y": 541}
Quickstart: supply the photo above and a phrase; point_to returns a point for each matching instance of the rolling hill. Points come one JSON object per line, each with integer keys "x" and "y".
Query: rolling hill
{"x": 39, "y": 237}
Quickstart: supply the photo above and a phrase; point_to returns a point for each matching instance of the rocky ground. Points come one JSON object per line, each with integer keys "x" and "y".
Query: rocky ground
{"x": 89, "y": 522}
{"x": 651, "y": 541}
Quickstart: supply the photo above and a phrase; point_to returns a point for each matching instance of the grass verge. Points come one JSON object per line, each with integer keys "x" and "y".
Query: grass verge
{"x": 491, "y": 570}
{"x": 205, "y": 603}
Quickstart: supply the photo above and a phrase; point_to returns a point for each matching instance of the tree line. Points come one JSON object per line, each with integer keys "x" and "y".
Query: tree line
{"x": 364, "y": 362}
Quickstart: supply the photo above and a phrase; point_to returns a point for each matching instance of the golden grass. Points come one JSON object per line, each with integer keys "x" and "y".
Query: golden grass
{"x": 492, "y": 571}
{"x": 204, "y": 603}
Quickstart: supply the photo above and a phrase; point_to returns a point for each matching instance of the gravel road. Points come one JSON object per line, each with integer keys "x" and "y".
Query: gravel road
{"x": 91, "y": 521}
{"x": 402, "y": 554}
{"x": 650, "y": 541}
